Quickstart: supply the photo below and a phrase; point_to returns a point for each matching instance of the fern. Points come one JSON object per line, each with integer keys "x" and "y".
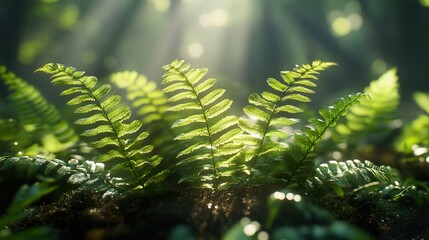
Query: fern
{"x": 126, "y": 156}
{"x": 81, "y": 174}
{"x": 151, "y": 105}
{"x": 206, "y": 158}
{"x": 150, "y": 102}
{"x": 365, "y": 178}
{"x": 376, "y": 115}
{"x": 415, "y": 135}
{"x": 37, "y": 116}
{"x": 297, "y": 164}
{"x": 351, "y": 174}
{"x": 266, "y": 121}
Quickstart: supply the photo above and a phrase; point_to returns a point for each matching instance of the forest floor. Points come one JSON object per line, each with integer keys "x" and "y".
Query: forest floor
{"x": 79, "y": 214}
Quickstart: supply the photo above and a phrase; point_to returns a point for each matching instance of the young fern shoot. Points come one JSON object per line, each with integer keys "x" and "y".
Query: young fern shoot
{"x": 206, "y": 159}
{"x": 126, "y": 156}
{"x": 266, "y": 112}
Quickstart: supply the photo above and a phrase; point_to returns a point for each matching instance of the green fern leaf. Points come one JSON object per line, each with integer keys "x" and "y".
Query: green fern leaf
{"x": 112, "y": 130}
{"x": 415, "y": 135}
{"x": 298, "y": 162}
{"x": 210, "y": 143}
{"x": 350, "y": 175}
{"x": 86, "y": 174}
{"x": 264, "y": 114}
{"x": 376, "y": 114}
{"x": 151, "y": 106}
{"x": 38, "y": 117}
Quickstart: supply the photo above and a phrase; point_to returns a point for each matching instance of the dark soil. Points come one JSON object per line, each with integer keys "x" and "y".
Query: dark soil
{"x": 82, "y": 214}
{"x": 86, "y": 215}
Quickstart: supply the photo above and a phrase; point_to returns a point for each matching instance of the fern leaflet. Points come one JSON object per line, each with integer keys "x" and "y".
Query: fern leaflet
{"x": 265, "y": 121}
{"x": 126, "y": 157}
{"x": 206, "y": 159}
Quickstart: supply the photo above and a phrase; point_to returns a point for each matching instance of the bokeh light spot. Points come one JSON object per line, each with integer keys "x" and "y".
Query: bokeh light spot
{"x": 379, "y": 66}
{"x": 341, "y": 26}
{"x": 263, "y": 236}
{"x": 220, "y": 17}
{"x": 70, "y": 17}
{"x": 216, "y": 18}
{"x": 161, "y": 5}
{"x": 355, "y": 21}
{"x": 251, "y": 228}
{"x": 279, "y": 195}
{"x": 205, "y": 20}
{"x": 424, "y": 3}
{"x": 195, "y": 50}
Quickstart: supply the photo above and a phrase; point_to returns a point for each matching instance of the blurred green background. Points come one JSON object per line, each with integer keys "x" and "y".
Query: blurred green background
{"x": 242, "y": 42}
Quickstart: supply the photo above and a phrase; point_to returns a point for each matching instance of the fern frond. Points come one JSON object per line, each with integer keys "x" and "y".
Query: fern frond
{"x": 351, "y": 174}
{"x": 376, "y": 114}
{"x": 37, "y": 116}
{"x": 298, "y": 162}
{"x": 209, "y": 145}
{"x": 151, "y": 105}
{"x": 126, "y": 152}
{"x": 265, "y": 114}
{"x": 86, "y": 174}
{"x": 415, "y": 134}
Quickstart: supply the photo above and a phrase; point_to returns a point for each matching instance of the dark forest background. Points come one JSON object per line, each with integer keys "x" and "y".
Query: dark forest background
{"x": 242, "y": 42}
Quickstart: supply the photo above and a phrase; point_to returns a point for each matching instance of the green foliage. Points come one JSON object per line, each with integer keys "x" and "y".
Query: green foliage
{"x": 210, "y": 142}
{"x": 298, "y": 163}
{"x": 85, "y": 175}
{"x": 151, "y": 105}
{"x": 264, "y": 127}
{"x": 150, "y": 102}
{"x": 350, "y": 174}
{"x": 37, "y": 117}
{"x": 374, "y": 115}
{"x": 106, "y": 122}
{"x": 25, "y": 197}
{"x": 415, "y": 135}
{"x": 354, "y": 176}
